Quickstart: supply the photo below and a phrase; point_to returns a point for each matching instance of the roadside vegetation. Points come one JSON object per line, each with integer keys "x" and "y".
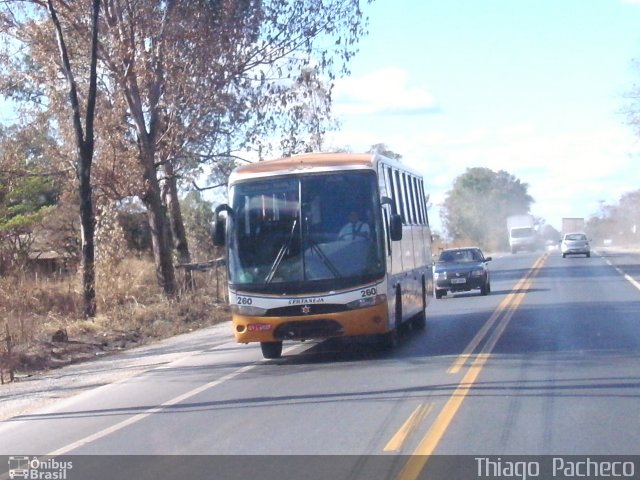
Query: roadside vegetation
{"x": 476, "y": 207}
{"x": 42, "y": 308}
{"x": 617, "y": 223}
{"x": 44, "y": 326}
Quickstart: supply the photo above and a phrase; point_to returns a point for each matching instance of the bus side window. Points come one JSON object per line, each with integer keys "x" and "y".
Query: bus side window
{"x": 400, "y": 201}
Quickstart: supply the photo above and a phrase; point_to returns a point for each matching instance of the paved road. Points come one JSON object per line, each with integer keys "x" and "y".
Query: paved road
{"x": 548, "y": 364}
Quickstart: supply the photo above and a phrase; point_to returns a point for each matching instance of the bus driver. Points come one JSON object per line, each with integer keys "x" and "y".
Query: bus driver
{"x": 354, "y": 229}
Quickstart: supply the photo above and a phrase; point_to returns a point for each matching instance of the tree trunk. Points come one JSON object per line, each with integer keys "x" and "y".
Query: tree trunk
{"x": 84, "y": 145}
{"x": 177, "y": 223}
{"x": 87, "y": 229}
{"x": 159, "y": 225}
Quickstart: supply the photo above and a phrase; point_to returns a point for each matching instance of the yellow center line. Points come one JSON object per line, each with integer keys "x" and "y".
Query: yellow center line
{"x": 395, "y": 444}
{"x": 419, "y": 458}
{"x": 462, "y": 359}
{"x": 426, "y": 447}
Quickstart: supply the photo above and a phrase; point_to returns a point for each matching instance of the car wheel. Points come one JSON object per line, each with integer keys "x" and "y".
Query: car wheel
{"x": 271, "y": 349}
{"x": 589, "y": 255}
{"x": 484, "y": 289}
{"x": 439, "y": 293}
{"x": 564, "y": 255}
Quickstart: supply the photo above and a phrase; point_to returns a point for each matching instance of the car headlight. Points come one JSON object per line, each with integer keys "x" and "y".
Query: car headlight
{"x": 436, "y": 275}
{"x": 248, "y": 310}
{"x": 368, "y": 301}
{"x": 477, "y": 273}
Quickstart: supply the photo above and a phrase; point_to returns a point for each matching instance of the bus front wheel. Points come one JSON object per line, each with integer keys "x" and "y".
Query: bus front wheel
{"x": 271, "y": 349}
{"x": 389, "y": 340}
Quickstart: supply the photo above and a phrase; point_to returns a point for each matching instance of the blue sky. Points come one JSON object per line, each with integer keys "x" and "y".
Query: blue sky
{"x": 533, "y": 87}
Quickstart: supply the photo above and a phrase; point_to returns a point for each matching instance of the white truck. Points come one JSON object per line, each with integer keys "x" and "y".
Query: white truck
{"x": 572, "y": 225}
{"x": 522, "y": 232}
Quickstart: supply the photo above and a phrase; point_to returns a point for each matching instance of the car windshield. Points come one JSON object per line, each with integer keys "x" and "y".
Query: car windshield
{"x": 460, "y": 256}
{"x": 575, "y": 236}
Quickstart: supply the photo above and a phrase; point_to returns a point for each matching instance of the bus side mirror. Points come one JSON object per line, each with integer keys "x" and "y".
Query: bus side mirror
{"x": 220, "y": 225}
{"x": 396, "y": 220}
{"x": 396, "y": 227}
{"x": 219, "y": 232}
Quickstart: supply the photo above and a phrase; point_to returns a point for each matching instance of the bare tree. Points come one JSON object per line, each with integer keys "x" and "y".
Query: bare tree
{"x": 84, "y": 136}
{"x": 203, "y": 79}
{"x": 23, "y": 21}
{"x": 309, "y": 114}
{"x": 191, "y": 82}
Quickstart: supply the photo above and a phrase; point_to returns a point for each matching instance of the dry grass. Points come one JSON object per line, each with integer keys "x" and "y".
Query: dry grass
{"x": 131, "y": 311}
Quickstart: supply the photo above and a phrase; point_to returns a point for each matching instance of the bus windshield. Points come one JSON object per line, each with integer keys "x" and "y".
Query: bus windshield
{"x": 305, "y": 233}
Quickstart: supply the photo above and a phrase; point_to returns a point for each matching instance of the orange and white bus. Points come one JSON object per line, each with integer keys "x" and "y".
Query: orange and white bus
{"x": 323, "y": 245}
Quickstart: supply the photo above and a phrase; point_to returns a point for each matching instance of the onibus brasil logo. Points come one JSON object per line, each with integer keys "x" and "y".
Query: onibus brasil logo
{"x": 34, "y": 468}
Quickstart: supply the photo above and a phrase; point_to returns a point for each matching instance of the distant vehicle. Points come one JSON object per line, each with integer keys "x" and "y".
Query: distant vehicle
{"x": 575, "y": 244}
{"x": 551, "y": 245}
{"x": 301, "y": 262}
{"x": 522, "y": 233}
{"x": 461, "y": 270}
{"x": 572, "y": 224}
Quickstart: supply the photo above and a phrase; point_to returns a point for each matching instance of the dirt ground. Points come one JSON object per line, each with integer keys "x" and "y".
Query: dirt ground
{"x": 88, "y": 367}
{"x": 47, "y": 355}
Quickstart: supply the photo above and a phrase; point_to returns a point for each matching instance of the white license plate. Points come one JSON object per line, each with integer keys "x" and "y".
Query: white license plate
{"x": 458, "y": 280}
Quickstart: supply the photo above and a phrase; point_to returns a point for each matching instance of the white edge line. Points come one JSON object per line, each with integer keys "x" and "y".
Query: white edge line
{"x": 626, "y": 276}
{"x": 141, "y": 416}
{"x": 147, "y": 413}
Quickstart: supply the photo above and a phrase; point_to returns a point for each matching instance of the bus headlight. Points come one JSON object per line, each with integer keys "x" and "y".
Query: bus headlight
{"x": 367, "y": 302}
{"x": 248, "y": 310}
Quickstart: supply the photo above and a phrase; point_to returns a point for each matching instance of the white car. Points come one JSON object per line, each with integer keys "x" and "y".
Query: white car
{"x": 575, "y": 244}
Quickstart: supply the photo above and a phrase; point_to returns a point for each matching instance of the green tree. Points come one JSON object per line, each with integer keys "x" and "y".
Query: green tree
{"x": 478, "y": 204}
{"x": 28, "y": 192}
{"x": 619, "y": 222}
{"x": 629, "y": 215}
{"x": 198, "y": 220}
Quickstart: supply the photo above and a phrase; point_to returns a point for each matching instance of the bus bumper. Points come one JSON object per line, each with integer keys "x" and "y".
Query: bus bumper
{"x": 365, "y": 321}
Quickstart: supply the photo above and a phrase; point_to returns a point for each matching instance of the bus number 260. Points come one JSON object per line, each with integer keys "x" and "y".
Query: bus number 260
{"x": 368, "y": 292}
{"x": 244, "y": 300}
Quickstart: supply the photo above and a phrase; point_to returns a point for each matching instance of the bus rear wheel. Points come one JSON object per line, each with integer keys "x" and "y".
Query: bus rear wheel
{"x": 419, "y": 322}
{"x": 271, "y": 349}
